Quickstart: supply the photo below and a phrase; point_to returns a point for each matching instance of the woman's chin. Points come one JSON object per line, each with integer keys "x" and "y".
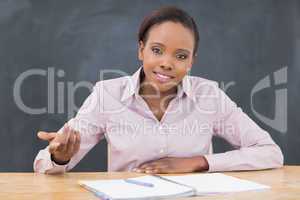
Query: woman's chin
{"x": 167, "y": 89}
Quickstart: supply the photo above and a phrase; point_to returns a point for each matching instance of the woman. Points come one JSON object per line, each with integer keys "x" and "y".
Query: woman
{"x": 161, "y": 120}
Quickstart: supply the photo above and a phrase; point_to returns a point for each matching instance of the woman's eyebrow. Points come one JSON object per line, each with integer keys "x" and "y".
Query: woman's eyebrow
{"x": 184, "y": 50}
{"x": 157, "y": 43}
{"x": 160, "y": 44}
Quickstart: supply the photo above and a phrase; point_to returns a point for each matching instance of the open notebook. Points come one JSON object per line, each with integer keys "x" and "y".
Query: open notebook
{"x": 160, "y": 187}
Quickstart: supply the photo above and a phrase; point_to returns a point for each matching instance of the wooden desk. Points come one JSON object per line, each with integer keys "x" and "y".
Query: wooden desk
{"x": 285, "y": 185}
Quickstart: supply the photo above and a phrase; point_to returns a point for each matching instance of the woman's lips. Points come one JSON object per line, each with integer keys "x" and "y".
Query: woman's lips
{"x": 162, "y": 77}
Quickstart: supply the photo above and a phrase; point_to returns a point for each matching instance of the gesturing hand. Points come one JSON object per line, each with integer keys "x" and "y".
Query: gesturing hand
{"x": 62, "y": 146}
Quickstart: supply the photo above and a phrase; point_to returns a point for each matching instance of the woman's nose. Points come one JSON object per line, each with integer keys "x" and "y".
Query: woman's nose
{"x": 167, "y": 64}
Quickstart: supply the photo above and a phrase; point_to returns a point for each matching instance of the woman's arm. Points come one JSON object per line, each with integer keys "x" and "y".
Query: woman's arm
{"x": 255, "y": 149}
{"x": 89, "y": 122}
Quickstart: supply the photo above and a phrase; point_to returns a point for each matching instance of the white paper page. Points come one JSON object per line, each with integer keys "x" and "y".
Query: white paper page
{"x": 119, "y": 189}
{"x": 214, "y": 183}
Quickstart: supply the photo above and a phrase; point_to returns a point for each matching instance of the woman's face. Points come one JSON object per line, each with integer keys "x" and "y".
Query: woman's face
{"x": 167, "y": 55}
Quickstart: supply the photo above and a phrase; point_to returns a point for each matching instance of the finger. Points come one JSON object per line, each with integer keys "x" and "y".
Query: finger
{"x": 139, "y": 170}
{"x": 159, "y": 168}
{"x": 77, "y": 143}
{"x": 46, "y": 135}
{"x": 71, "y": 142}
{"x": 149, "y": 165}
{"x": 53, "y": 147}
{"x": 64, "y": 138}
{"x": 144, "y": 165}
{"x": 146, "y": 168}
{"x": 70, "y": 145}
{"x": 152, "y": 171}
{"x": 163, "y": 169}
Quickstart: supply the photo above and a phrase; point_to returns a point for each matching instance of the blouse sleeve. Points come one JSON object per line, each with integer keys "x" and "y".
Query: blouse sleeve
{"x": 89, "y": 122}
{"x": 255, "y": 149}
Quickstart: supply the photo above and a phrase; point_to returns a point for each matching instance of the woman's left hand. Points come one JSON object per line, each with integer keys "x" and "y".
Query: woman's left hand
{"x": 173, "y": 165}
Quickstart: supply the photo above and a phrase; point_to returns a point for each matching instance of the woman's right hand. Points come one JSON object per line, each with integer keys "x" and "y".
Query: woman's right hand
{"x": 62, "y": 146}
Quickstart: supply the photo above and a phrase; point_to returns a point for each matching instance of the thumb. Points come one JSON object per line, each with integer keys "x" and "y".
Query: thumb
{"x": 46, "y": 136}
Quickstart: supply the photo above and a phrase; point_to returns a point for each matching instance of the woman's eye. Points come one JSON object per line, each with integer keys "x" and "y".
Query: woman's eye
{"x": 181, "y": 56}
{"x": 156, "y": 50}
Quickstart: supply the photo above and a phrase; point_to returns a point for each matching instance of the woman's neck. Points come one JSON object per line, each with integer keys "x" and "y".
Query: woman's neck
{"x": 157, "y": 100}
{"x": 148, "y": 90}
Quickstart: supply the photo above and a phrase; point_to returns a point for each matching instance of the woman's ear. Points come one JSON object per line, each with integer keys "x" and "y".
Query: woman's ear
{"x": 193, "y": 59}
{"x": 140, "y": 51}
{"x": 189, "y": 68}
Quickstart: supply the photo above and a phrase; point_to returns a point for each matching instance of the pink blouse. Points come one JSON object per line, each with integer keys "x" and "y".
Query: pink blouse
{"x": 115, "y": 111}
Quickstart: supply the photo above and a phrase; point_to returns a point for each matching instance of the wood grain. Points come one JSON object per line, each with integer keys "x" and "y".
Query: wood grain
{"x": 285, "y": 183}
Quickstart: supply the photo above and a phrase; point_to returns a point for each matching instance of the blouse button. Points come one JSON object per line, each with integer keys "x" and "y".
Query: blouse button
{"x": 161, "y": 151}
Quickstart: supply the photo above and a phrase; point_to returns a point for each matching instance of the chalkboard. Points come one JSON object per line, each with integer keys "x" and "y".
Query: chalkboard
{"x": 52, "y": 50}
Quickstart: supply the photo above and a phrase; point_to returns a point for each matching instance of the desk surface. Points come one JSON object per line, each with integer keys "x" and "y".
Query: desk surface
{"x": 285, "y": 183}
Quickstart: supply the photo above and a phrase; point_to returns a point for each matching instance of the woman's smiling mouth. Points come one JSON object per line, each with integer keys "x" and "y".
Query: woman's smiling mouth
{"x": 163, "y": 78}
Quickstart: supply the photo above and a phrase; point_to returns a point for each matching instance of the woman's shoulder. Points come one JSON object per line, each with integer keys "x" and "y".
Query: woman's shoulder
{"x": 207, "y": 92}
{"x": 113, "y": 87}
{"x": 198, "y": 79}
